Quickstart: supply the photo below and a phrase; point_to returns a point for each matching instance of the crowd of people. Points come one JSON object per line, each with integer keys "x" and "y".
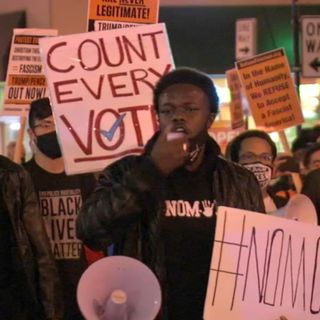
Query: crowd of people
{"x": 158, "y": 207}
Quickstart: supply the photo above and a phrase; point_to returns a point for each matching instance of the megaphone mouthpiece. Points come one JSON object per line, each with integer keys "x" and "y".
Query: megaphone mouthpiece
{"x": 119, "y": 288}
{"x": 115, "y": 308}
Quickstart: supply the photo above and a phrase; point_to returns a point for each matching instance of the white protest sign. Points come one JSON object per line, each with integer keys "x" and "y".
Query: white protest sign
{"x": 101, "y": 86}
{"x": 25, "y": 79}
{"x": 263, "y": 267}
{"x": 310, "y": 26}
{"x": 246, "y": 38}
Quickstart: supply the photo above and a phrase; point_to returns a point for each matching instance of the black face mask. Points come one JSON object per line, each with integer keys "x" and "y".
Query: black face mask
{"x": 48, "y": 144}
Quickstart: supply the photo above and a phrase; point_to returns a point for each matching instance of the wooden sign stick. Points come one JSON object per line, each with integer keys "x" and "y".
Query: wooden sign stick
{"x": 295, "y": 176}
{"x": 19, "y": 143}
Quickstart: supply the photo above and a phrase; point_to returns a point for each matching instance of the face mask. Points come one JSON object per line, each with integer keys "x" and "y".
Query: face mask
{"x": 262, "y": 172}
{"x": 48, "y": 145}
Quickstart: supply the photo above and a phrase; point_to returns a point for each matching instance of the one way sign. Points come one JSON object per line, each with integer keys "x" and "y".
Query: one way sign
{"x": 246, "y": 38}
{"x": 310, "y": 46}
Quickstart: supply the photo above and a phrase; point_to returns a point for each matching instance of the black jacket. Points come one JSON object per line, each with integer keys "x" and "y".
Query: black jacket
{"x": 31, "y": 254}
{"x": 126, "y": 207}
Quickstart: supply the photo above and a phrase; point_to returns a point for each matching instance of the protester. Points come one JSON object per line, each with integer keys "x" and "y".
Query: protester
{"x": 311, "y": 188}
{"x": 160, "y": 207}
{"x": 306, "y": 138}
{"x": 255, "y": 150}
{"x": 284, "y": 166}
{"x": 29, "y": 285}
{"x": 311, "y": 181}
{"x": 60, "y": 198}
{"x": 311, "y": 159}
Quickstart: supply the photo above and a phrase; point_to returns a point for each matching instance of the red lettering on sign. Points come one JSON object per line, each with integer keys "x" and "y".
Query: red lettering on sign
{"x": 60, "y": 93}
{"x": 91, "y": 56}
{"x": 51, "y": 54}
{"x": 136, "y": 124}
{"x": 86, "y": 149}
{"x": 98, "y": 128}
{"x": 95, "y": 121}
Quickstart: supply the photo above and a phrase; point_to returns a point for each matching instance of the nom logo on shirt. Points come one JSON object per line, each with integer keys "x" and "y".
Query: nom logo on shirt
{"x": 186, "y": 209}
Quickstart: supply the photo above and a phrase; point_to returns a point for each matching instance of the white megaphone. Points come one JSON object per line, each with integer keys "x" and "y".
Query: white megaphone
{"x": 119, "y": 288}
{"x": 299, "y": 208}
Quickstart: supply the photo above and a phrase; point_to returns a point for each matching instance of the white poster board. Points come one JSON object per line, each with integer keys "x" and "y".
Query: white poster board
{"x": 310, "y": 43}
{"x": 101, "y": 86}
{"x": 25, "y": 79}
{"x": 246, "y": 38}
{"x": 263, "y": 267}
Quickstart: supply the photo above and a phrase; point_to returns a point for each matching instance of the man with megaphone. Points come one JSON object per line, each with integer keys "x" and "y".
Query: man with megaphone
{"x": 160, "y": 207}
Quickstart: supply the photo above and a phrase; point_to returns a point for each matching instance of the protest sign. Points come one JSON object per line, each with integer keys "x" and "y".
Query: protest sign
{"x": 263, "y": 267}
{"x": 222, "y": 133}
{"x": 236, "y": 109}
{"x": 114, "y": 14}
{"x": 270, "y": 90}
{"x": 25, "y": 79}
{"x": 101, "y": 86}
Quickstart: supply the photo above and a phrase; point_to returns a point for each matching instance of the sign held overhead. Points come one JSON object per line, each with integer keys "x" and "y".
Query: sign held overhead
{"x": 310, "y": 46}
{"x": 266, "y": 79}
{"x": 246, "y": 38}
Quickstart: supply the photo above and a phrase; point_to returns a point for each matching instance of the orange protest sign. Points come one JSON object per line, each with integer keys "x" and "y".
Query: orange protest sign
{"x": 223, "y": 133}
{"x": 270, "y": 91}
{"x": 236, "y": 110}
{"x": 25, "y": 79}
{"x": 113, "y": 14}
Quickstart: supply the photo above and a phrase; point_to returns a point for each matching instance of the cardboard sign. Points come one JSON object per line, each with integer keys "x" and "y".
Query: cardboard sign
{"x": 101, "y": 86}
{"x": 236, "y": 109}
{"x": 114, "y": 14}
{"x": 223, "y": 134}
{"x": 263, "y": 267}
{"x": 25, "y": 80}
{"x": 270, "y": 91}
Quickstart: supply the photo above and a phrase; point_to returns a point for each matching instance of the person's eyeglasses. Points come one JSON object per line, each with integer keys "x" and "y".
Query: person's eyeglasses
{"x": 252, "y": 157}
{"x": 45, "y": 125}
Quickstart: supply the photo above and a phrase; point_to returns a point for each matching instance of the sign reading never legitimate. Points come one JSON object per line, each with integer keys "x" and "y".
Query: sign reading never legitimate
{"x": 270, "y": 91}
{"x": 101, "y": 86}
{"x": 113, "y": 14}
{"x": 263, "y": 267}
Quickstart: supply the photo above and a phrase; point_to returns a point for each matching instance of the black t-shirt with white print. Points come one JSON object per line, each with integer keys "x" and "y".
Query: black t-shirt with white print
{"x": 60, "y": 199}
{"x": 188, "y": 231}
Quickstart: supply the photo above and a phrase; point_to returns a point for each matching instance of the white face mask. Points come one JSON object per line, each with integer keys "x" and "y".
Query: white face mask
{"x": 262, "y": 172}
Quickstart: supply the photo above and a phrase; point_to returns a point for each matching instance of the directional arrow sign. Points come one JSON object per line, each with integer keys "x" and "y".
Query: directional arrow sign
{"x": 310, "y": 46}
{"x": 315, "y": 64}
{"x": 246, "y": 38}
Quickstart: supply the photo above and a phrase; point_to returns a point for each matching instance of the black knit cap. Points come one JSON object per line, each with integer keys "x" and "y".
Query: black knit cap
{"x": 187, "y": 76}
{"x": 39, "y": 109}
